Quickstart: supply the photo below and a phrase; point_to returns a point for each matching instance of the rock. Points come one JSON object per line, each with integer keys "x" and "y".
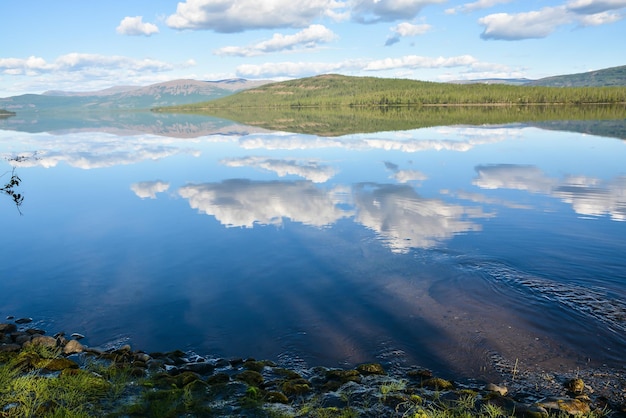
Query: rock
{"x": 23, "y": 320}
{"x": 371, "y": 368}
{"x": 438, "y": 383}
{"x": 420, "y": 374}
{"x": 34, "y": 331}
{"x": 8, "y": 348}
{"x": 7, "y": 328}
{"x": 296, "y": 387}
{"x": 77, "y": 336}
{"x": 250, "y": 377}
{"x": 73, "y": 347}
{"x": 200, "y": 368}
{"x": 530, "y": 411}
{"x": 576, "y": 386}
{"x": 218, "y": 378}
{"x": 276, "y": 397}
{"x": 21, "y": 339}
{"x": 43, "y": 341}
{"x": 55, "y": 364}
{"x": 498, "y": 389}
{"x": 337, "y": 378}
{"x": 139, "y": 356}
{"x": 569, "y": 406}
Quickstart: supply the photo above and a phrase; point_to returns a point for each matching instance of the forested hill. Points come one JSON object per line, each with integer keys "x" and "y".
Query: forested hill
{"x": 339, "y": 90}
{"x": 615, "y": 76}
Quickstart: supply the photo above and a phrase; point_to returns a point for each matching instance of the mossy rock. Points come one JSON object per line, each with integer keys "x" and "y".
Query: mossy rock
{"x": 288, "y": 374}
{"x": 344, "y": 376}
{"x": 186, "y": 378}
{"x": 257, "y": 366}
{"x": 371, "y": 368}
{"x": 296, "y": 387}
{"x": 55, "y": 364}
{"x": 438, "y": 383}
{"x": 576, "y": 386}
{"x": 276, "y": 397}
{"x": 250, "y": 377}
{"x": 218, "y": 379}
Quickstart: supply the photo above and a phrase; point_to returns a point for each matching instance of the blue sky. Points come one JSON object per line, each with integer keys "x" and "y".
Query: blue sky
{"x": 84, "y": 45}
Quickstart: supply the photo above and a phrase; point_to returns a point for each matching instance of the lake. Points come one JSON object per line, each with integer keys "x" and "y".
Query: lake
{"x": 463, "y": 249}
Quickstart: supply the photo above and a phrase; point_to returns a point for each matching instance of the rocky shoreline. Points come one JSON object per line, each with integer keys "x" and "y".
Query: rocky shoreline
{"x": 188, "y": 384}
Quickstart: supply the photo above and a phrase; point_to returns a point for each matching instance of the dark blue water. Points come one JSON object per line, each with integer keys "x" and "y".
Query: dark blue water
{"x": 443, "y": 247}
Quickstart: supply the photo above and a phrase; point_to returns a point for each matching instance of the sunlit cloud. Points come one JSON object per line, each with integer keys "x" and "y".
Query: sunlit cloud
{"x": 310, "y": 170}
{"x": 242, "y": 15}
{"x": 307, "y": 39}
{"x": 134, "y": 26}
{"x": 541, "y": 23}
{"x": 245, "y": 203}
{"x": 149, "y": 189}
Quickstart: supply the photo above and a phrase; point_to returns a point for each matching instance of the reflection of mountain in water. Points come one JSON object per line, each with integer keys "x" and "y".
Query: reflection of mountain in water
{"x": 125, "y": 123}
{"x": 607, "y": 128}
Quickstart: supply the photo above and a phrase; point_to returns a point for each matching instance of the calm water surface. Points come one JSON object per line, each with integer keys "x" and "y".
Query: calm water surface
{"x": 452, "y": 248}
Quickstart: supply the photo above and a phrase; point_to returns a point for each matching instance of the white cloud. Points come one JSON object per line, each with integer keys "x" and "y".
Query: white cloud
{"x": 310, "y": 170}
{"x": 405, "y": 176}
{"x": 240, "y": 15}
{"x": 595, "y": 6}
{"x": 405, "y": 220}
{"x": 535, "y": 24}
{"x": 303, "y": 69}
{"x": 510, "y": 176}
{"x": 588, "y": 196}
{"x": 406, "y": 29}
{"x": 245, "y": 203}
{"x": 134, "y": 26}
{"x": 308, "y": 38}
{"x": 416, "y": 61}
{"x": 92, "y": 150}
{"x": 372, "y": 11}
{"x": 75, "y": 62}
{"x": 541, "y": 23}
{"x": 477, "y": 5}
{"x": 149, "y": 189}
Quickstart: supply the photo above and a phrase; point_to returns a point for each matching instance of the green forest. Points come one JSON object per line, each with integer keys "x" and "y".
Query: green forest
{"x": 337, "y": 90}
{"x": 336, "y": 121}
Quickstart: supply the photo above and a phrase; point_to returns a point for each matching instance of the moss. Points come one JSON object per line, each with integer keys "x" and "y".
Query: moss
{"x": 371, "y": 368}
{"x": 250, "y": 377}
{"x": 276, "y": 397}
{"x": 296, "y": 387}
{"x": 218, "y": 378}
{"x": 438, "y": 383}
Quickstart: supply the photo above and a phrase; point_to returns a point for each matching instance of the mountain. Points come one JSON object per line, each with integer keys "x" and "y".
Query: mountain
{"x": 614, "y": 76}
{"x": 169, "y": 93}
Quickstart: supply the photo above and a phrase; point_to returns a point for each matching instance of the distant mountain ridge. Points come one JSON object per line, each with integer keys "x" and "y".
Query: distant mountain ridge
{"x": 169, "y": 93}
{"x": 614, "y": 76}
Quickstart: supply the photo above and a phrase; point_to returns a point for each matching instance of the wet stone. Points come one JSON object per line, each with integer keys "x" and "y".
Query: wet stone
{"x": 23, "y": 320}
{"x": 371, "y": 368}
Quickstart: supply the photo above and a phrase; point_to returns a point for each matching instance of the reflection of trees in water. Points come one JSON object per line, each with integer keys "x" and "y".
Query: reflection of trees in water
{"x": 9, "y": 188}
